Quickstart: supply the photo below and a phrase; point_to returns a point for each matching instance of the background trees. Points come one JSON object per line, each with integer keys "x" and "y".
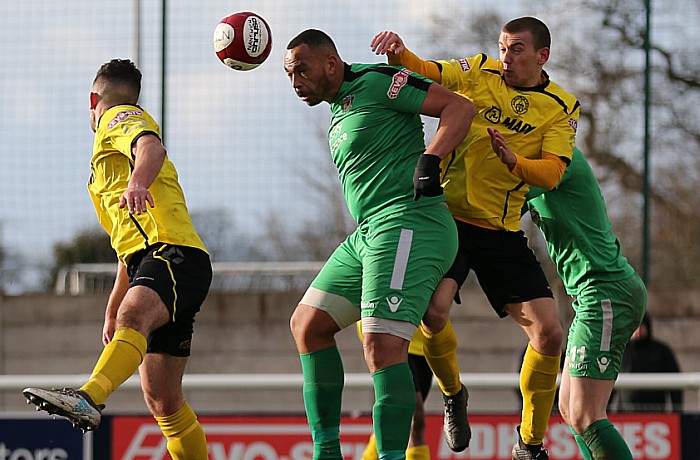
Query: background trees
{"x": 597, "y": 53}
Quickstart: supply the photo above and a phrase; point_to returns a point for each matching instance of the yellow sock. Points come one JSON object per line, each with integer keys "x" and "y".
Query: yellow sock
{"x": 441, "y": 353}
{"x": 186, "y": 439}
{"x": 538, "y": 384}
{"x": 370, "y": 452}
{"x": 418, "y": 453}
{"x": 118, "y": 361}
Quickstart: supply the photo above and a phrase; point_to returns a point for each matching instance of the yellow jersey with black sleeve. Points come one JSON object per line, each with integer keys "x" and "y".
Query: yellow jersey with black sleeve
{"x": 110, "y": 169}
{"x": 536, "y": 120}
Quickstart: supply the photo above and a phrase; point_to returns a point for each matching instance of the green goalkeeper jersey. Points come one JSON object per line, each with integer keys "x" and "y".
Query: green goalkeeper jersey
{"x": 376, "y": 136}
{"x": 575, "y": 225}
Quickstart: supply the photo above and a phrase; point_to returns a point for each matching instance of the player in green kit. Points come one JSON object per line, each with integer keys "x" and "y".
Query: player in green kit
{"x": 385, "y": 271}
{"x": 520, "y": 105}
{"x": 610, "y": 301}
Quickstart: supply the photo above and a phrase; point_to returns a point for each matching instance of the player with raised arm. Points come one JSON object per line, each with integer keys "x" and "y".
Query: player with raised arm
{"x": 163, "y": 273}
{"x": 385, "y": 271}
{"x": 531, "y": 123}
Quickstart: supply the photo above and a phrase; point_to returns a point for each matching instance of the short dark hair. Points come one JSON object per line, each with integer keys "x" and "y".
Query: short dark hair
{"x": 314, "y": 38}
{"x": 121, "y": 73}
{"x": 538, "y": 29}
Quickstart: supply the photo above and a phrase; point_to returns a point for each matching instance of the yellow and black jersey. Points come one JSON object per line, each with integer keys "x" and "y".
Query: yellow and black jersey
{"x": 110, "y": 169}
{"x": 478, "y": 186}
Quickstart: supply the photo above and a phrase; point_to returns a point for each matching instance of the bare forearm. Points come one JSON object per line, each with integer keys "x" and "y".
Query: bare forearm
{"x": 453, "y": 127}
{"x": 121, "y": 285}
{"x": 150, "y": 155}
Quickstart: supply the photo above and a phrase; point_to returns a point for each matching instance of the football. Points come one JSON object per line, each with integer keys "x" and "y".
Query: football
{"x": 242, "y": 40}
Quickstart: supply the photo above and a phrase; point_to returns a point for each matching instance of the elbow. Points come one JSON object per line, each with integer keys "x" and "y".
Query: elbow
{"x": 470, "y": 108}
{"x": 550, "y": 186}
{"x": 469, "y": 111}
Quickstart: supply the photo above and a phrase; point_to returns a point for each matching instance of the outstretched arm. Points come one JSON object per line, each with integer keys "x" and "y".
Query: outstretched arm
{"x": 389, "y": 43}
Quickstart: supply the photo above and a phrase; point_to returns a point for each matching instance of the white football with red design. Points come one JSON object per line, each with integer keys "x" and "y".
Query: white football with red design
{"x": 242, "y": 40}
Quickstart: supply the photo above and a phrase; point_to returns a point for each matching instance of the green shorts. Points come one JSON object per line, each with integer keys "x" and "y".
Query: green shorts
{"x": 607, "y": 313}
{"x": 387, "y": 269}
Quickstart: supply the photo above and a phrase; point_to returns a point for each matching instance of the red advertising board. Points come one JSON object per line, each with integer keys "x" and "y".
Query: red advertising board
{"x": 650, "y": 437}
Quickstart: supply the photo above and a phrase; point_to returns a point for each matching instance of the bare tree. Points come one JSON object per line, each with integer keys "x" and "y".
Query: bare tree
{"x": 223, "y": 240}
{"x": 598, "y": 54}
{"x": 325, "y": 223}
{"x": 90, "y": 245}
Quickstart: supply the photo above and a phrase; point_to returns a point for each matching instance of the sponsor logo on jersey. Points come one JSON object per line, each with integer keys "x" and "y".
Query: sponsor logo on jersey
{"x": 336, "y": 130}
{"x": 517, "y": 125}
{"x": 123, "y": 115}
{"x": 603, "y": 363}
{"x": 464, "y": 64}
{"x": 493, "y": 115}
{"x": 397, "y": 82}
{"x": 346, "y": 104}
{"x": 573, "y": 123}
{"x": 394, "y": 303}
{"x": 338, "y": 141}
{"x": 520, "y": 104}
{"x": 364, "y": 305}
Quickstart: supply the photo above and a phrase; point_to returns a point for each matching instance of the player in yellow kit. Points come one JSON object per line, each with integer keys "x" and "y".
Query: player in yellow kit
{"x": 523, "y": 134}
{"x": 163, "y": 273}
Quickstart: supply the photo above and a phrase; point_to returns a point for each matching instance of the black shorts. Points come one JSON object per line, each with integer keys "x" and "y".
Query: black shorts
{"x": 505, "y": 266}
{"x": 181, "y": 276}
{"x": 422, "y": 375}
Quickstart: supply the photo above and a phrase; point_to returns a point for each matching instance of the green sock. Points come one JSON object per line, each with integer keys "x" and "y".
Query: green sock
{"x": 581, "y": 444}
{"x": 395, "y": 401}
{"x": 605, "y": 442}
{"x": 323, "y": 392}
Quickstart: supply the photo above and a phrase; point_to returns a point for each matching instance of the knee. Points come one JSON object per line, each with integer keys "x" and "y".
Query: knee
{"x": 579, "y": 424}
{"x": 375, "y": 357}
{"x": 555, "y": 335}
{"x": 296, "y": 324}
{"x": 436, "y": 316}
{"x": 312, "y": 329}
{"x": 549, "y": 338}
{"x": 162, "y": 404}
{"x": 304, "y": 323}
{"x": 579, "y": 418}
{"x": 384, "y": 350}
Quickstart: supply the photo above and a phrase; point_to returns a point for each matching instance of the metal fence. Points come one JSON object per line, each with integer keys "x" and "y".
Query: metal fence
{"x": 479, "y": 381}
{"x": 228, "y": 276}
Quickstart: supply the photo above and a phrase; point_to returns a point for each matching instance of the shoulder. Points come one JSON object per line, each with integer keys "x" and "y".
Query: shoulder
{"x": 122, "y": 113}
{"x": 384, "y": 78}
{"x": 380, "y": 71}
{"x": 564, "y": 98}
{"x": 477, "y": 64}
